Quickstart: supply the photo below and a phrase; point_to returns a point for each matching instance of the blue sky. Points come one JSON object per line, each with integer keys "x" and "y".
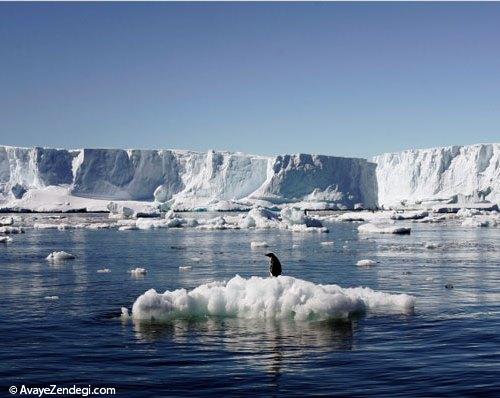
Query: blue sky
{"x": 350, "y": 79}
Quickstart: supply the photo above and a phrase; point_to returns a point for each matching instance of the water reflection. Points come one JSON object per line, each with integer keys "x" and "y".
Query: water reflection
{"x": 271, "y": 345}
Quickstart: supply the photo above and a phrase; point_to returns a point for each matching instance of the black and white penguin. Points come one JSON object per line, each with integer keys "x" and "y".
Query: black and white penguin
{"x": 274, "y": 264}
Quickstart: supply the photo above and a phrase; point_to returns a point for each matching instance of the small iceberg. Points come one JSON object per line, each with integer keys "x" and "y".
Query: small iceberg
{"x": 255, "y": 245}
{"x": 366, "y": 263}
{"x": 138, "y": 271}
{"x": 60, "y": 256}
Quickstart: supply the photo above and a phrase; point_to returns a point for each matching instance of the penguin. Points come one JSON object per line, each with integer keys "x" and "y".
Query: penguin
{"x": 274, "y": 264}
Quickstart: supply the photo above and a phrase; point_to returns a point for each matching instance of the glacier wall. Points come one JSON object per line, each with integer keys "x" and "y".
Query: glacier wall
{"x": 455, "y": 174}
{"x": 188, "y": 179}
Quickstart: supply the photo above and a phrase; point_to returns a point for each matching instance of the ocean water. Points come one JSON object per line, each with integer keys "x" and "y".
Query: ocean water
{"x": 449, "y": 346}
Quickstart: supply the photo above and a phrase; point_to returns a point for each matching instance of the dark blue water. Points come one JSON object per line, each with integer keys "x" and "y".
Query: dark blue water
{"x": 450, "y": 346}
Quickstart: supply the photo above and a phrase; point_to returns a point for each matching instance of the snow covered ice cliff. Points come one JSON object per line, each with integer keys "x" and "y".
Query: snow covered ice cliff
{"x": 44, "y": 179}
{"x": 182, "y": 179}
{"x": 457, "y": 174}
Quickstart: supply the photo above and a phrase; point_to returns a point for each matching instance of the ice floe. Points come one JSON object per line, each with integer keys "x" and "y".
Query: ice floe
{"x": 366, "y": 263}
{"x": 383, "y": 229}
{"x": 138, "y": 271}
{"x": 60, "y": 256}
{"x": 283, "y": 297}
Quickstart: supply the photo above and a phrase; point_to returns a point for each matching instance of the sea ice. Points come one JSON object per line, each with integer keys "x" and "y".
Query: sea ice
{"x": 283, "y": 297}
{"x": 255, "y": 245}
{"x": 383, "y": 229}
{"x": 366, "y": 263}
{"x": 138, "y": 271}
{"x": 60, "y": 256}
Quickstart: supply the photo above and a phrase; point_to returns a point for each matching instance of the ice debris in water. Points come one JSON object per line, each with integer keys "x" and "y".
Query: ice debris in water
{"x": 366, "y": 263}
{"x": 103, "y": 271}
{"x": 185, "y": 267}
{"x": 430, "y": 245}
{"x": 283, "y": 297}
{"x": 383, "y": 229}
{"x": 138, "y": 271}
{"x": 255, "y": 245}
{"x": 328, "y": 243}
{"x": 5, "y": 239}
{"x": 59, "y": 256}
{"x": 51, "y": 297}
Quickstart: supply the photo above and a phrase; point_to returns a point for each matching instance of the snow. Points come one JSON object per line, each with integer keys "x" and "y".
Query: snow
{"x": 283, "y": 297}
{"x": 366, "y": 263}
{"x": 383, "y": 229}
{"x": 60, "y": 256}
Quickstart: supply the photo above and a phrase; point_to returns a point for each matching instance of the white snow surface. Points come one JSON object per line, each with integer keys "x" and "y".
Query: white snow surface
{"x": 453, "y": 174}
{"x": 283, "y": 297}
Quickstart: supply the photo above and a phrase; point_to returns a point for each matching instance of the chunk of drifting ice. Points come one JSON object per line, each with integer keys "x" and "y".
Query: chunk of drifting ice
{"x": 8, "y": 230}
{"x": 430, "y": 245}
{"x": 103, "y": 271}
{"x": 383, "y": 229}
{"x": 5, "y": 239}
{"x": 366, "y": 263}
{"x": 51, "y": 297}
{"x": 259, "y": 217}
{"x": 292, "y": 216}
{"x": 60, "y": 256}
{"x": 124, "y": 313}
{"x": 410, "y": 215}
{"x": 6, "y": 221}
{"x": 283, "y": 297}
{"x": 119, "y": 211}
{"x": 255, "y": 245}
{"x": 138, "y": 271}
{"x": 127, "y": 228}
{"x": 479, "y": 221}
{"x": 328, "y": 243}
{"x": 185, "y": 267}
{"x": 304, "y": 228}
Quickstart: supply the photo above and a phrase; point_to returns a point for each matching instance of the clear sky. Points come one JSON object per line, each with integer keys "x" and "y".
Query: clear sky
{"x": 350, "y": 79}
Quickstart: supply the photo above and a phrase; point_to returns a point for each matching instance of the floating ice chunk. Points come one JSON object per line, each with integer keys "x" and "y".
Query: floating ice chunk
{"x": 366, "y": 263}
{"x": 292, "y": 216}
{"x": 430, "y": 245}
{"x": 259, "y": 217}
{"x": 51, "y": 297}
{"x": 255, "y": 245}
{"x": 117, "y": 210}
{"x": 60, "y": 256}
{"x": 127, "y": 228}
{"x": 304, "y": 228}
{"x": 8, "y": 230}
{"x": 410, "y": 215}
{"x": 185, "y": 268}
{"x": 5, "y": 239}
{"x": 328, "y": 243}
{"x": 124, "y": 313}
{"x": 464, "y": 212}
{"x": 6, "y": 221}
{"x": 283, "y": 297}
{"x": 196, "y": 259}
{"x": 383, "y": 229}
{"x": 480, "y": 221}
{"x": 138, "y": 271}
{"x": 103, "y": 271}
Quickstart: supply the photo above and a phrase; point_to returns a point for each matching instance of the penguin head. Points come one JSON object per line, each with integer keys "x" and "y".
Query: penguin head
{"x": 269, "y": 255}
